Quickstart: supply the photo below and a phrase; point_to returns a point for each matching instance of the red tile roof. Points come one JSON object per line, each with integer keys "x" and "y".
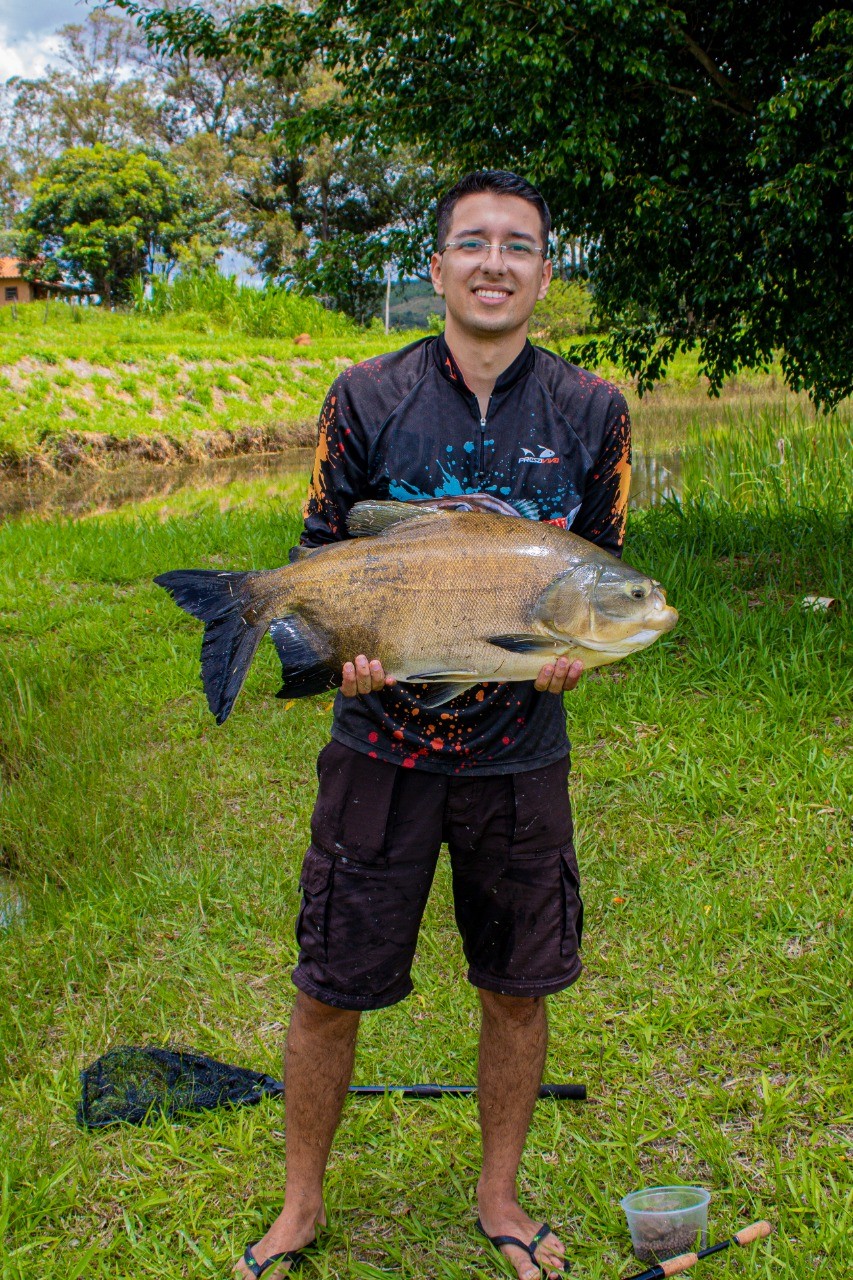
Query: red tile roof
{"x": 10, "y": 269}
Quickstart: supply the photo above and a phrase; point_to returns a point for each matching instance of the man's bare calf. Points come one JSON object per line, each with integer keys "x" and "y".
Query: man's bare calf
{"x": 318, "y": 1068}
{"x": 513, "y": 1040}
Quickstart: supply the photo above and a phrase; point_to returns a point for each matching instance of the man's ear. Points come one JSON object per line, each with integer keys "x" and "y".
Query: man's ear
{"x": 435, "y": 274}
{"x": 547, "y": 274}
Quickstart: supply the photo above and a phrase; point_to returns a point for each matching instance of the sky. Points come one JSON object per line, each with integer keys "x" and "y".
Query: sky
{"x": 26, "y": 30}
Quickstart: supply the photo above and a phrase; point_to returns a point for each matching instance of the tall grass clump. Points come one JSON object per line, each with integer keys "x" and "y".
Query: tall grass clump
{"x": 773, "y": 462}
{"x": 211, "y": 299}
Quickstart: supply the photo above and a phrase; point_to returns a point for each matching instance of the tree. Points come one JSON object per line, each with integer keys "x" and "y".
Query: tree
{"x": 703, "y": 151}
{"x": 107, "y": 216}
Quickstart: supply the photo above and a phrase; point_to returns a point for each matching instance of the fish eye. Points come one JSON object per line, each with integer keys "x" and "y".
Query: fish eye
{"x": 639, "y": 593}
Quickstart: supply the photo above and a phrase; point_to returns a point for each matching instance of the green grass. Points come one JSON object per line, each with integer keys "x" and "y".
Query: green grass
{"x": 207, "y": 368}
{"x": 157, "y": 857}
{"x": 79, "y": 371}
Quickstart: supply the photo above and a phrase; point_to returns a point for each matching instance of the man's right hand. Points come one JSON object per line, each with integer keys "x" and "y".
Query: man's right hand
{"x": 363, "y": 676}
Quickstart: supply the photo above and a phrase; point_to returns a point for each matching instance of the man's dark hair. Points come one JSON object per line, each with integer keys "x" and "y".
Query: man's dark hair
{"x": 502, "y": 183}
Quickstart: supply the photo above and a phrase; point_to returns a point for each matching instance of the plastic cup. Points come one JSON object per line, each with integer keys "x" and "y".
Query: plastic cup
{"x": 667, "y": 1221}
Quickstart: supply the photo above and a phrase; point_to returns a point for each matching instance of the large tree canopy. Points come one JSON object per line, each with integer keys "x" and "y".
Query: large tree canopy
{"x": 107, "y": 217}
{"x": 705, "y": 150}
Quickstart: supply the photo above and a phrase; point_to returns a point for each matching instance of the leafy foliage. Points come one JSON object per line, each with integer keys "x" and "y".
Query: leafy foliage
{"x": 703, "y": 151}
{"x": 108, "y": 216}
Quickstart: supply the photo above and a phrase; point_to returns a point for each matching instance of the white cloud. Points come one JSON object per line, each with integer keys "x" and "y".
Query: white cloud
{"x": 27, "y": 57}
{"x": 27, "y": 33}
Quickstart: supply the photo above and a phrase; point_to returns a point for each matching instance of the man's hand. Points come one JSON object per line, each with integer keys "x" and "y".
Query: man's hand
{"x": 363, "y": 676}
{"x": 559, "y": 676}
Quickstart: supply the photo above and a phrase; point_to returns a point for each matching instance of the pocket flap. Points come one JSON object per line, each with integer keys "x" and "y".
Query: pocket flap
{"x": 316, "y": 871}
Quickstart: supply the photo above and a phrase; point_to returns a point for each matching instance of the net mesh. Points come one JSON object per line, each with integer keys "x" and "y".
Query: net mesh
{"x": 134, "y": 1084}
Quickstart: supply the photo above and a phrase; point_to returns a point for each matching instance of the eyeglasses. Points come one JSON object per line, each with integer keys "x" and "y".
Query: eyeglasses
{"x": 516, "y": 251}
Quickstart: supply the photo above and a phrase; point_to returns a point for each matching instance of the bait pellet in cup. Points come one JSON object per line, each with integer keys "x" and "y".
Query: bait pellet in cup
{"x": 667, "y": 1221}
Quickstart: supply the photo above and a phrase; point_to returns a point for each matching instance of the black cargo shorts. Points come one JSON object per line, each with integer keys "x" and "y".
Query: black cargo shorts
{"x": 376, "y": 833}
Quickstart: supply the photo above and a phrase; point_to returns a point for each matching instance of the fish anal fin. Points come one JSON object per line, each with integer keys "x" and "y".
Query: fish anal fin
{"x": 528, "y": 643}
{"x": 440, "y": 692}
{"x": 307, "y": 663}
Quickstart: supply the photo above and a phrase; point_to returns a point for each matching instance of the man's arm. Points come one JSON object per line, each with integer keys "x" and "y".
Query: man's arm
{"x": 601, "y": 518}
{"x": 338, "y": 480}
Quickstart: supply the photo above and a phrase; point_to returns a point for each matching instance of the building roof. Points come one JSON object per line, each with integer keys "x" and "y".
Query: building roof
{"x": 10, "y": 269}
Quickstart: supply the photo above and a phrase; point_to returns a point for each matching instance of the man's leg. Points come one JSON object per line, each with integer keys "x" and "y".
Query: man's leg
{"x": 513, "y": 1040}
{"x": 318, "y": 1068}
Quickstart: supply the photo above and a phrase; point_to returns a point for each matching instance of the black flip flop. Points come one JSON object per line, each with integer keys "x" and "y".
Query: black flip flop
{"x": 529, "y": 1249}
{"x": 294, "y": 1256}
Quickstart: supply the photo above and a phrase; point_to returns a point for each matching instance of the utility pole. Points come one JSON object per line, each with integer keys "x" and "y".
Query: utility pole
{"x": 387, "y": 297}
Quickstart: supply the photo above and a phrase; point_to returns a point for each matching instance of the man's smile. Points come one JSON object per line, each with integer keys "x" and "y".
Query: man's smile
{"x": 492, "y": 294}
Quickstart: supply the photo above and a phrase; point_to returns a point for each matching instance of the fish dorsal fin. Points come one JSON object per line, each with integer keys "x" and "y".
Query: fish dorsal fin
{"x": 367, "y": 519}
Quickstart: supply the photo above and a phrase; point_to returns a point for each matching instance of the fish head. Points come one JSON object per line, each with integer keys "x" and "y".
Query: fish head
{"x": 606, "y": 606}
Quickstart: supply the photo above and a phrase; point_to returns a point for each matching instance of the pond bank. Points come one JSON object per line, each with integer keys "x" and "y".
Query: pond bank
{"x": 93, "y": 490}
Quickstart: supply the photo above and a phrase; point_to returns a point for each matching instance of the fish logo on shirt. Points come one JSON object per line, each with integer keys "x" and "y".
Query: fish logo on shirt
{"x": 544, "y": 456}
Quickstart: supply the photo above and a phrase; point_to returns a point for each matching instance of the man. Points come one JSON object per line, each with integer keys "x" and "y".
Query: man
{"x": 478, "y": 410}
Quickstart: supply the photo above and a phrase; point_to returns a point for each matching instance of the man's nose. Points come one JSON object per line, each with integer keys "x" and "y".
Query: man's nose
{"x": 494, "y": 260}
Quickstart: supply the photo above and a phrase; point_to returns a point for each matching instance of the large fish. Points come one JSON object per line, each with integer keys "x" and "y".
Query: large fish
{"x": 449, "y": 598}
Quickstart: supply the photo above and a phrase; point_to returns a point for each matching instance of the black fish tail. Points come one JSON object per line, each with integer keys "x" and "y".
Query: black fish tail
{"x": 221, "y": 601}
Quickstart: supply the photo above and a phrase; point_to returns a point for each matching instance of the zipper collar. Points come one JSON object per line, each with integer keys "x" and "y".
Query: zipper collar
{"x": 450, "y": 371}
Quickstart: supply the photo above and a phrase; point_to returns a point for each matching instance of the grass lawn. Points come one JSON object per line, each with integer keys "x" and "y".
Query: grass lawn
{"x": 82, "y": 371}
{"x": 79, "y": 383}
{"x": 156, "y": 858}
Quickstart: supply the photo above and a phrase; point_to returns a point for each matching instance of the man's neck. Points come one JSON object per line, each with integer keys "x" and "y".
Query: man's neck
{"x": 482, "y": 360}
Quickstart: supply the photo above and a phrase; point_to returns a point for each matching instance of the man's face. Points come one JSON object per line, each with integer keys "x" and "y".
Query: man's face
{"x": 489, "y": 295}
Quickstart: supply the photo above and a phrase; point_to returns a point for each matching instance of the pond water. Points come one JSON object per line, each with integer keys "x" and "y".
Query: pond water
{"x": 11, "y": 903}
{"x": 90, "y": 491}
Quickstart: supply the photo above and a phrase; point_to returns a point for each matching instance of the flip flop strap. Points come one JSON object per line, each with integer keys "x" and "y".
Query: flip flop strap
{"x": 258, "y": 1268}
{"x": 543, "y": 1231}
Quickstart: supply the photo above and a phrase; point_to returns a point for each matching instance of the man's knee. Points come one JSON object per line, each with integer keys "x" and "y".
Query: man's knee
{"x": 522, "y": 1011}
{"x": 313, "y": 1015}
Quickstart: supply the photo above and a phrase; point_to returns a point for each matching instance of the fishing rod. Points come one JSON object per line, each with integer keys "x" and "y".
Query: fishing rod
{"x": 672, "y": 1267}
{"x": 571, "y": 1092}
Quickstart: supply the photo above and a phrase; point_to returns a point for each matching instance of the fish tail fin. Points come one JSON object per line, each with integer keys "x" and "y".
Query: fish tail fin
{"x": 231, "y": 637}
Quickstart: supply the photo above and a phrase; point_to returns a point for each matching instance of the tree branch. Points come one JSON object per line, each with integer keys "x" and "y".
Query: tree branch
{"x": 732, "y": 92}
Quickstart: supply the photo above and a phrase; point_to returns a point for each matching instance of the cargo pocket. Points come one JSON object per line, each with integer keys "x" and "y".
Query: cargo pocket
{"x": 312, "y": 924}
{"x": 572, "y": 933}
{"x": 355, "y": 805}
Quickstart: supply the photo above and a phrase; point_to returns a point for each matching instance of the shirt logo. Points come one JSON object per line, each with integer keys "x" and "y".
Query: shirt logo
{"x": 545, "y": 456}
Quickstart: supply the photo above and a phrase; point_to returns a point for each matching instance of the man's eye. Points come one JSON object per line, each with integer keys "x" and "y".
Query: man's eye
{"x": 473, "y": 246}
{"x": 520, "y": 250}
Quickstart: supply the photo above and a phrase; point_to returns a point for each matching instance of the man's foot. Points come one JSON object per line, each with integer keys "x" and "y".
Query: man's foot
{"x": 546, "y": 1254}
{"x": 289, "y": 1233}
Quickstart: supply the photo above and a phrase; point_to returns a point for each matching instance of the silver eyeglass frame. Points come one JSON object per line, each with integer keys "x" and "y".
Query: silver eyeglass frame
{"x": 487, "y": 248}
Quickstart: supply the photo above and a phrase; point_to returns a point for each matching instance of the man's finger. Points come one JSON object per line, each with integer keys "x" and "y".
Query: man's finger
{"x": 349, "y": 688}
{"x": 573, "y": 675}
{"x": 363, "y": 678}
{"x": 543, "y": 680}
{"x": 377, "y": 676}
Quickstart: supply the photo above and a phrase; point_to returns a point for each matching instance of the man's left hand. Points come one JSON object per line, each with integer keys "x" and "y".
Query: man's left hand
{"x": 559, "y": 676}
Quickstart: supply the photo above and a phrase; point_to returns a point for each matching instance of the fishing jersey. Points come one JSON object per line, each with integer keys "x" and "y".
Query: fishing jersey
{"x": 554, "y": 443}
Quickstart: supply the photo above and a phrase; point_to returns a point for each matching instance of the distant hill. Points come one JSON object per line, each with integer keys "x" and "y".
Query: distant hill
{"x": 412, "y": 303}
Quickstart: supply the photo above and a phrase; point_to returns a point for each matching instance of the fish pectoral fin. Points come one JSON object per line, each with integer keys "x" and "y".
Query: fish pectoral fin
{"x": 523, "y": 643}
{"x": 442, "y": 691}
{"x": 366, "y": 519}
{"x": 307, "y": 665}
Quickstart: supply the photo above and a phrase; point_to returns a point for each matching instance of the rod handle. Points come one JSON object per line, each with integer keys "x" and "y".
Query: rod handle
{"x": 683, "y": 1262}
{"x": 757, "y": 1231}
